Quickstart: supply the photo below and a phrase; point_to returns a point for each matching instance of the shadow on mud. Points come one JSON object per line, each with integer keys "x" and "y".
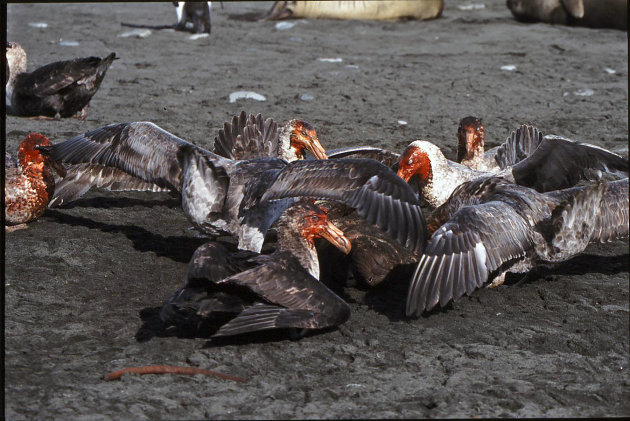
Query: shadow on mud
{"x": 389, "y": 298}
{"x": 177, "y": 248}
{"x": 121, "y": 202}
{"x": 153, "y": 326}
{"x": 246, "y": 17}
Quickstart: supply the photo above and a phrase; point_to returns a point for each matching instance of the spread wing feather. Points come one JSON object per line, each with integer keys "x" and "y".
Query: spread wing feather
{"x": 378, "y": 194}
{"x": 385, "y": 157}
{"x": 296, "y": 298}
{"x": 519, "y": 145}
{"x": 140, "y": 154}
{"x": 465, "y": 251}
{"x": 597, "y": 212}
{"x": 261, "y": 317}
{"x": 248, "y": 137}
{"x": 81, "y": 177}
{"x": 141, "y": 149}
{"x": 559, "y": 163}
{"x": 281, "y": 280}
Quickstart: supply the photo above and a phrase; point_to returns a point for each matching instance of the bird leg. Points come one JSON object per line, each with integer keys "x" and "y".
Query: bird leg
{"x": 82, "y": 115}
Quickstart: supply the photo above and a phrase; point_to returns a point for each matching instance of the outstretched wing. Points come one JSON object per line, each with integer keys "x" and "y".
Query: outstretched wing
{"x": 210, "y": 264}
{"x": 141, "y": 149}
{"x": 597, "y": 212}
{"x": 378, "y": 194}
{"x": 138, "y": 155}
{"x": 81, "y": 177}
{"x": 519, "y": 145}
{"x": 465, "y": 251}
{"x": 294, "y": 298}
{"x": 385, "y": 157}
{"x": 560, "y": 163}
{"x": 248, "y": 137}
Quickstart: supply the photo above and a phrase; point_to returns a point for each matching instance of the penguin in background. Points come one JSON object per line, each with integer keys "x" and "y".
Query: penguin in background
{"x": 197, "y": 12}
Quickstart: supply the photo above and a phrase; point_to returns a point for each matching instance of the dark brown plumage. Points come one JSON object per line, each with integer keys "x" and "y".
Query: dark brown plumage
{"x": 59, "y": 89}
{"x": 490, "y": 226}
{"x": 240, "y": 291}
{"x": 222, "y": 196}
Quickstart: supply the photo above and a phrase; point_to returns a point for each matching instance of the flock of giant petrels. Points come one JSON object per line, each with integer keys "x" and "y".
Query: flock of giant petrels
{"x": 534, "y": 199}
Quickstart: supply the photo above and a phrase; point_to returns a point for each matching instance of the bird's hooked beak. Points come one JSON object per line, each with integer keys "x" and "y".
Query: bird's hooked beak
{"x": 316, "y": 149}
{"x": 336, "y": 237}
{"x": 404, "y": 173}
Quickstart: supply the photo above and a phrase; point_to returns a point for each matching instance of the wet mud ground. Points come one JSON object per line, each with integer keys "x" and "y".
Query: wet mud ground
{"x": 84, "y": 283}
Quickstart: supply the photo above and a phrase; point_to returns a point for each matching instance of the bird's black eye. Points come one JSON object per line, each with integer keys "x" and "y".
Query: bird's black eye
{"x": 303, "y": 133}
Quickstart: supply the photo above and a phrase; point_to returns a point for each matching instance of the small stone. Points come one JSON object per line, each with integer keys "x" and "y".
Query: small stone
{"x": 284, "y": 25}
{"x": 584, "y": 92}
{"x": 68, "y": 43}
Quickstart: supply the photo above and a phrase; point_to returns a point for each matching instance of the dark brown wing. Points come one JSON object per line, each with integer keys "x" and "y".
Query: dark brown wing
{"x": 378, "y": 194}
{"x": 210, "y": 264}
{"x": 560, "y": 163}
{"x": 224, "y": 142}
{"x": 519, "y": 145}
{"x": 294, "y": 298}
{"x": 374, "y": 255}
{"x": 213, "y": 262}
{"x": 465, "y": 251}
{"x": 81, "y": 177}
{"x": 53, "y": 77}
{"x": 141, "y": 149}
{"x": 385, "y": 157}
{"x": 598, "y": 212}
{"x": 248, "y": 137}
{"x": 479, "y": 190}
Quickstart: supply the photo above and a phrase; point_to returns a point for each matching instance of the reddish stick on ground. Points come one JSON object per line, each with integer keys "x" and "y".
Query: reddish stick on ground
{"x": 170, "y": 369}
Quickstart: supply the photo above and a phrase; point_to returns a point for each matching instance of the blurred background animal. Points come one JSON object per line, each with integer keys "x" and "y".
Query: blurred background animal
{"x": 56, "y": 90}
{"x": 197, "y": 12}
{"x": 368, "y": 10}
{"x": 591, "y": 13}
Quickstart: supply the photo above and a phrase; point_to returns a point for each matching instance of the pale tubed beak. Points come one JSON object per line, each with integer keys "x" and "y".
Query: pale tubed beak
{"x": 404, "y": 173}
{"x": 316, "y": 149}
{"x": 335, "y": 236}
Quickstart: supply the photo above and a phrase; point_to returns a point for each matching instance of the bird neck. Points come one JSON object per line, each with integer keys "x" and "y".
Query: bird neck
{"x": 286, "y": 151}
{"x": 303, "y": 249}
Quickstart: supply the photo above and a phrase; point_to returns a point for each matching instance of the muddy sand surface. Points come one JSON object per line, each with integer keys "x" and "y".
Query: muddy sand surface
{"x": 84, "y": 283}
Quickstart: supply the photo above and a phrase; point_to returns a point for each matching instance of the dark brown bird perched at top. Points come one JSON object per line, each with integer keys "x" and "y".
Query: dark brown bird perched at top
{"x": 56, "y": 90}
